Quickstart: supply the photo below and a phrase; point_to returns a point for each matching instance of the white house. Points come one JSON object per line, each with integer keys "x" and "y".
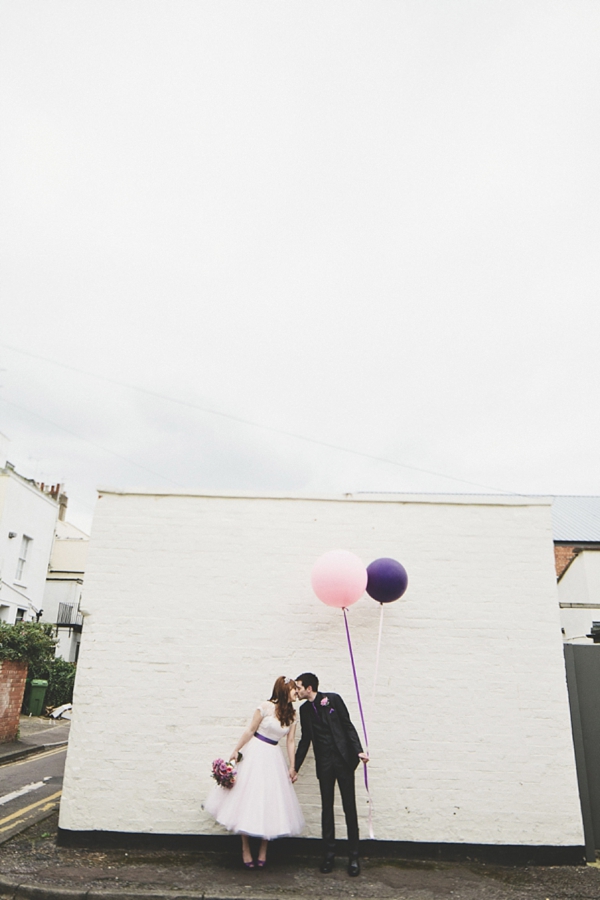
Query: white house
{"x": 28, "y": 513}
{"x": 63, "y": 588}
{"x": 195, "y": 603}
{"x": 579, "y": 596}
{"x": 576, "y": 525}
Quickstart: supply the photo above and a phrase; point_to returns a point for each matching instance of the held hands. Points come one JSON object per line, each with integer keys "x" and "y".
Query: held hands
{"x": 293, "y": 775}
{"x": 364, "y": 757}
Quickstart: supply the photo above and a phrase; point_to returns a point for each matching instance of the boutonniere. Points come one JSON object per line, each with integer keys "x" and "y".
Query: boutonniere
{"x": 325, "y": 701}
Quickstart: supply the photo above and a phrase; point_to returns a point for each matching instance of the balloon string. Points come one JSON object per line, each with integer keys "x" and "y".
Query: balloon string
{"x": 377, "y": 654}
{"x": 364, "y": 727}
{"x": 362, "y": 716}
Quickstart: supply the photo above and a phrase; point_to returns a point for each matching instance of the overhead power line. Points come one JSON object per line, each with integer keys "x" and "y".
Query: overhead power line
{"x": 91, "y": 443}
{"x": 242, "y": 421}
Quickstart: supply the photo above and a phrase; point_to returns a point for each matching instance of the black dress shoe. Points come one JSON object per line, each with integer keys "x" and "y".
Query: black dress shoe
{"x": 328, "y": 864}
{"x": 353, "y": 866}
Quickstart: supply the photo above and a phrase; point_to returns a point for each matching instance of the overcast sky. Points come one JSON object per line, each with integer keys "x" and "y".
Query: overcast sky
{"x": 372, "y": 224}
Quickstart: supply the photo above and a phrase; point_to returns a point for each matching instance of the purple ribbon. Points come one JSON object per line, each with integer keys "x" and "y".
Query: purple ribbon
{"x": 364, "y": 727}
{"x": 267, "y": 740}
{"x": 362, "y": 716}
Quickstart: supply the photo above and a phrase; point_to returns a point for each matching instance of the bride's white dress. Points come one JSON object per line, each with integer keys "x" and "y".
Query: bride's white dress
{"x": 262, "y": 802}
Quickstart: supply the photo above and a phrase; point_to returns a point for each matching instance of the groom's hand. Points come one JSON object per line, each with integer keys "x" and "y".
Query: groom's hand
{"x": 293, "y": 775}
{"x": 364, "y": 757}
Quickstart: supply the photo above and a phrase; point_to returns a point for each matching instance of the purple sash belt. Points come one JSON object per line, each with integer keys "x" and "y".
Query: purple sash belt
{"x": 267, "y": 740}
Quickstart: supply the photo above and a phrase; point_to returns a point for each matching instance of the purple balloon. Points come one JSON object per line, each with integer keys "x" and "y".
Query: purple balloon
{"x": 387, "y": 580}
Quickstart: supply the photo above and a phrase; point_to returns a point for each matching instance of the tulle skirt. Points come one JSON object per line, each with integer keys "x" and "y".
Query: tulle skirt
{"x": 262, "y": 802}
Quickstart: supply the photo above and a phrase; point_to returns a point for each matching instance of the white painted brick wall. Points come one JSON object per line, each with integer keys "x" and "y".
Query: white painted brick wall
{"x": 197, "y": 603}
{"x": 24, "y": 510}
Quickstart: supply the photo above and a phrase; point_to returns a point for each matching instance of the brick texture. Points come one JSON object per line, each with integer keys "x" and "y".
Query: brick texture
{"x": 196, "y": 604}
{"x": 12, "y": 688}
{"x": 563, "y": 555}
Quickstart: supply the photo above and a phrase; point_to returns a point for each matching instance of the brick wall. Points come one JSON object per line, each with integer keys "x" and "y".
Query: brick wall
{"x": 563, "y": 555}
{"x": 12, "y": 687}
{"x": 195, "y": 604}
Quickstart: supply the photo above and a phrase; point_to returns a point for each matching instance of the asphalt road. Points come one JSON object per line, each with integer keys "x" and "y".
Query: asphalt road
{"x": 30, "y": 790}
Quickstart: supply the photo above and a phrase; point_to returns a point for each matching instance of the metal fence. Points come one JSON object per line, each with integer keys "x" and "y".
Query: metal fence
{"x": 68, "y": 614}
{"x": 583, "y": 681}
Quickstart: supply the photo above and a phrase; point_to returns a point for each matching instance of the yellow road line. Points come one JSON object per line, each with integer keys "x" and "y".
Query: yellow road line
{"x": 48, "y": 808}
{"x": 26, "y": 809}
{"x": 33, "y": 757}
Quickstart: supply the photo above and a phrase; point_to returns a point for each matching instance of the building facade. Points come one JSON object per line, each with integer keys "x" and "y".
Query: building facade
{"x": 28, "y": 514}
{"x": 64, "y": 585}
{"x": 576, "y": 526}
{"x": 195, "y": 603}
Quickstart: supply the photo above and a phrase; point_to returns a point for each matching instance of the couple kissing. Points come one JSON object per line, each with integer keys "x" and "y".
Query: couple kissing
{"x": 262, "y": 802}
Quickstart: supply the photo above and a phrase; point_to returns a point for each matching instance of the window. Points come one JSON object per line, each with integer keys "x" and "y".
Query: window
{"x": 22, "y": 557}
{"x": 19, "y": 615}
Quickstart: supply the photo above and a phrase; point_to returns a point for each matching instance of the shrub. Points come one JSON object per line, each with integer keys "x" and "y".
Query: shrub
{"x": 29, "y": 642}
{"x": 60, "y": 676}
{"x": 33, "y": 643}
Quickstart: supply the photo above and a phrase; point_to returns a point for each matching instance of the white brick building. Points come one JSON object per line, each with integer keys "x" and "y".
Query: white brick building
{"x": 64, "y": 585}
{"x": 27, "y": 517}
{"x": 196, "y": 603}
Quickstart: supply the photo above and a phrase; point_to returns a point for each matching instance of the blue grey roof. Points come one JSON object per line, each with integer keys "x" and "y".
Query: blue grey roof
{"x": 576, "y": 518}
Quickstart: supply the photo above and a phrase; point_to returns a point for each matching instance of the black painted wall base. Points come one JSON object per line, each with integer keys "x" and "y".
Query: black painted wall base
{"x": 502, "y": 854}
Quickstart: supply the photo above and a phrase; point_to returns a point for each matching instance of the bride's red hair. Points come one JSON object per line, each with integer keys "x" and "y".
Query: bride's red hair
{"x": 281, "y": 698}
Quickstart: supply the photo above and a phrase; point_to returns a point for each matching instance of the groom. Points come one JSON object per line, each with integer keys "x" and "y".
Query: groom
{"x": 325, "y": 721}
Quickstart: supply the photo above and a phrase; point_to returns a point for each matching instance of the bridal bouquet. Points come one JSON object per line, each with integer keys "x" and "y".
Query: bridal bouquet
{"x": 224, "y": 772}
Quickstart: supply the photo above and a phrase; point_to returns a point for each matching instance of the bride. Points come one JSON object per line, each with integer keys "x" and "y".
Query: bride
{"x": 262, "y": 802}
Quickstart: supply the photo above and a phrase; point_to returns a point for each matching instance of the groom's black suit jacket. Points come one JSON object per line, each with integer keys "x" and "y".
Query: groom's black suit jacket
{"x": 336, "y": 719}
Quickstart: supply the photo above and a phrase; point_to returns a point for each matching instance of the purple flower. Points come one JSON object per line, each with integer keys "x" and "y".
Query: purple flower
{"x": 325, "y": 701}
{"x": 224, "y": 773}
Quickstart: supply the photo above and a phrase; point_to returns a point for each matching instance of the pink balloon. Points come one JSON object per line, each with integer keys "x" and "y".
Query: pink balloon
{"x": 339, "y": 578}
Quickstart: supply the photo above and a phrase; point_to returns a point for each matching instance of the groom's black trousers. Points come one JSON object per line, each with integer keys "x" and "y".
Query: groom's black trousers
{"x": 331, "y": 770}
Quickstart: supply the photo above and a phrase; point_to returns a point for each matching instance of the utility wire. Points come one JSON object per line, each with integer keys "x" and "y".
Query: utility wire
{"x": 243, "y": 421}
{"x": 80, "y": 438}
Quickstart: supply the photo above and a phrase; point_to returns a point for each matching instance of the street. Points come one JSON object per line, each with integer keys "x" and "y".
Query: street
{"x": 29, "y": 790}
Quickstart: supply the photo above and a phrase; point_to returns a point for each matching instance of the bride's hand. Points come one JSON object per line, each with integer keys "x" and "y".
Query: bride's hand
{"x": 293, "y": 775}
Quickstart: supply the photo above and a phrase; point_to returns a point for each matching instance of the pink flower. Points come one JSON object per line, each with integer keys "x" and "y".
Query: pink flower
{"x": 325, "y": 701}
{"x": 224, "y": 773}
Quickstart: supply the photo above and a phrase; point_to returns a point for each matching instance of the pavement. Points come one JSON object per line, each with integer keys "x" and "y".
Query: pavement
{"x": 36, "y": 734}
{"x": 34, "y": 867}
